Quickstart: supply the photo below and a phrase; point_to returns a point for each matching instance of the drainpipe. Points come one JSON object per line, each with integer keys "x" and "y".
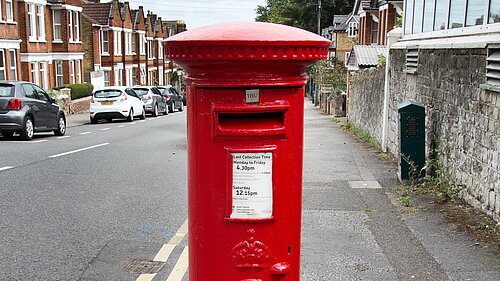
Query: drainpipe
{"x": 392, "y": 37}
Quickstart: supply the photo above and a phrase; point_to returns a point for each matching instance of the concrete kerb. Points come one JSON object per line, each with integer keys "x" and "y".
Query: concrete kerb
{"x": 78, "y": 119}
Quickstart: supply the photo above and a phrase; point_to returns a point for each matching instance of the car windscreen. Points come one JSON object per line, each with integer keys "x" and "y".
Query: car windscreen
{"x": 141, "y": 91}
{"x": 107, "y": 93}
{"x": 6, "y": 90}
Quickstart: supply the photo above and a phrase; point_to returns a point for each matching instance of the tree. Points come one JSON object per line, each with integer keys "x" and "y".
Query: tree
{"x": 302, "y": 13}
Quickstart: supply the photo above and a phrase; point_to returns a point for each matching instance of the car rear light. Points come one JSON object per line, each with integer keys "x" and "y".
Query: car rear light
{"x": 15, "y": 103}
{"x": 123, "y": 97}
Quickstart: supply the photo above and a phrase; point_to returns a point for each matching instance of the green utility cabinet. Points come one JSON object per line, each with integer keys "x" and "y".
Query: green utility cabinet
{"x": 411, "y": 139}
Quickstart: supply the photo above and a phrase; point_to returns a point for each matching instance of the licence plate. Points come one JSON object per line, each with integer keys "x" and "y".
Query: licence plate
{"x": 107, "y": 102}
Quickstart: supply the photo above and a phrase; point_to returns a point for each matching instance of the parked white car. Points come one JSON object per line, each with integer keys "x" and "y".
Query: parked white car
{"x": 116, "y": 102}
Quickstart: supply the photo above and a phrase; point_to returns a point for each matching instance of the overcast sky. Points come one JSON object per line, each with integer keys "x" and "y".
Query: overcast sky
{"x": 198, "y": 13}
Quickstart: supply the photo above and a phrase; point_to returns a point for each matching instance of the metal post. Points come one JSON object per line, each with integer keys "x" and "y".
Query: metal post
{"x": 319, "y": 17}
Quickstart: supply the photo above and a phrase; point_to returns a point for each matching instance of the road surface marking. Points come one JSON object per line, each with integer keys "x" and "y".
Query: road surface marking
{"x": 79, "y": 150}
{"x": 165, "y": 252}
{"x": 180, "y": 267}
{"x": 63, "y": 137}
{"x": 121, "y": 126}
{"x": 105, "y": 129}
{"x": 5, "y": 168}
{"x": 85, "y": 133}
{"x": 38, "y": 141}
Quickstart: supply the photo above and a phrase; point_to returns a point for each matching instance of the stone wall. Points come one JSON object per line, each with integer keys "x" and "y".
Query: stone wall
{"x": 365, "y": 100}
{"x": 462, "y": 120}
{"x": 80, "y": 105}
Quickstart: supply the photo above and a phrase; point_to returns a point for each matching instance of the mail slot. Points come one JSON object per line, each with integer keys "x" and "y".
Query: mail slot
{"x": 245, "y": 84}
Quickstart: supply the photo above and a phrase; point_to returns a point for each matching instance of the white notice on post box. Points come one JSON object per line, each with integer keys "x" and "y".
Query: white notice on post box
{"x": 252, "y": 185}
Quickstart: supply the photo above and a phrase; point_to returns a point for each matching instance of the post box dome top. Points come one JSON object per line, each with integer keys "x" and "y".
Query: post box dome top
{"x": 247, "y": 41}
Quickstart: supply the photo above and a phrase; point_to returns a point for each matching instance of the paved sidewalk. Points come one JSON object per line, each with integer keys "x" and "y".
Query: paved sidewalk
{"x": 77, "y": 119}
{"x": 353, "y": 228}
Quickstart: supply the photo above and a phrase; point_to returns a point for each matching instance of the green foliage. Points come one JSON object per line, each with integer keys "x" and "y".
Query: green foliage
{"x": 491, "y": 227}
{"x": 302, "y": 13}
{"x": 399, "y": 20}
{"x": 362, "y": 135}
{"x": 381, "y": 60}
{"x": 334, "y": 120}
{"x": 78, "y": 90}
{"x": 334, "y": 75}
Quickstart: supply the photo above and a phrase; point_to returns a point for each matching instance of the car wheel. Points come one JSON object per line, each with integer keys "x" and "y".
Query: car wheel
{"x": 143, "y": 115}
{"x": 61, "y": 127}
{"x": 165, "y": 110}
{"x": 171, "y": 107}
{"x": 7, "y": 135}
{"x": 130, "y": 117}
{"x": 93, "y": 120}
{"x": 182, "y": 107}
{"x": 155, "y": 110}
{"x": 28, "y": 129}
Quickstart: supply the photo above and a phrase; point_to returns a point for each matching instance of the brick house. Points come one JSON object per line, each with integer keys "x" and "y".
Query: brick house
{"x": 376, "y": 18}
{"x": 344, "y": 35}
{"x": 10, "y": 42}
{"x": 139, "y": 46}
{"x": 171, "y": 28}
{"x": 51, "y": 50}
{"x": 152, "y": 74}
{"x": 108, "y": 37}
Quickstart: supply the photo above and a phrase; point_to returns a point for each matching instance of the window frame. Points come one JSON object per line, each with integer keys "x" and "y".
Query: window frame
{"x": 78, "y": 71}
{"x": 72, "y": 71}
{"x": 9, "y": 13}
{"x": 56, "y": 25}
{"x": 42, "y": 69}
{"x": 70, "y": 26}
{"x": 13, "y": 67}
{"x": 40, "y": 17}
{"x": 105, "y": 52}
{"x": 32, "y": 22}
{"x": 3, "y": 69}
{"x": 352, "y": 30}
{"x": 76, "y": 25}
{"x": 57, "y": 74}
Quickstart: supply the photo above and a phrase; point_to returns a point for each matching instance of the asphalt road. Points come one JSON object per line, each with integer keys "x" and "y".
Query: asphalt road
{"x": 86, "y": 205}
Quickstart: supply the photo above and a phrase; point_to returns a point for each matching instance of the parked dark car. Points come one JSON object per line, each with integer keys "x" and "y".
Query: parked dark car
{"x": 26, "y": 109}
{"x": 154, "y": 101}
{"x": 174, "y": 99}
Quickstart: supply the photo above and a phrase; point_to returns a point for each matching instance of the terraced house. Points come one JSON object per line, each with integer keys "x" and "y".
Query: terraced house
{"x": 10, "y": 42}
{"x": 124, "y": 44}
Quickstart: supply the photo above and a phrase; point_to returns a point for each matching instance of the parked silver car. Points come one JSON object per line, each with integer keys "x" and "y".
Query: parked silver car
{"x": 154, "y": 103}
{"x": 26, "y": 109}
{"x": 174, "y": 99}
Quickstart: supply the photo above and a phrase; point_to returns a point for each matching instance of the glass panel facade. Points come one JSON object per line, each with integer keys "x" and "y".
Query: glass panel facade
{"x": 475, "y": 12}
{"x": 417, "y": 19}
{"x": 494, "y": 11}
{"x": 457, "y": 12}
{"x": 440, "y": 14}
{"x": 428, "y": 15}
{"x": 408, "y": 21}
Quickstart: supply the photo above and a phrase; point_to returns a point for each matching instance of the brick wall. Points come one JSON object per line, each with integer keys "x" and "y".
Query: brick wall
{"x": 365, "y": 100}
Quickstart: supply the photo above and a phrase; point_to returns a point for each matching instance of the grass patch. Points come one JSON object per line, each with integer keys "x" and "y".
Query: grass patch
{"x": 362, "y": 135}
{"x": 334, "y": 120}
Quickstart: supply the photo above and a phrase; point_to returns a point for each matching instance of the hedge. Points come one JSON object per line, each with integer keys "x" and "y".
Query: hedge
{"x": 78, "y": 90}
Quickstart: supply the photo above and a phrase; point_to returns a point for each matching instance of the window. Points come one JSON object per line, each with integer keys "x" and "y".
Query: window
{"x": 494, "y": 11}
{"x": 41, "y": 93}
{"x": 8, "y": 10}
{"x": 417, "y": 19}
{"x": 2, "y": 65}
{"x": 118, "y": 77}
{"x": 77, "y": 26}
{"x": 105, "y": 41}
{"x": 34, "y": 72}
{"x": 32, "y": 21}
{"x": 475, "y": 12}
{"x": 134, "y": 43}
{"x": 106, "y": 78}
{"x": 43, "y": 75}
{"x": 78, "y": 72}
{"x": 440, "y": 14}
{"x": 13, "y": 65}
{"x": 142, "y": 42}
{"x": 408, "y": 21}
{"x": 457, "y": 9}
{"x": 59, "y": 73}
{"x": 40, "y": 14}
{"x": 160, "y": 50}
{"x": 72, "y": 71}
{"x": 374, "y": 32}
{"x": 70, "y": 25}
{"x": 29, "y": 92}
{"x": 428, "y": 15}
{"x": 353, "y": 29}
{"x": 117, "y": 42}
{"x": 56, "y": 15}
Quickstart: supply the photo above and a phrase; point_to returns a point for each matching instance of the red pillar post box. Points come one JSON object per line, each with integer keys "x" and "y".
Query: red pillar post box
{"x": 245, "y": 106}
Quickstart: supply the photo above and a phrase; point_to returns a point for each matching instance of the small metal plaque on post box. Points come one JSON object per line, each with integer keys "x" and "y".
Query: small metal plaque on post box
{"x": 252, "y": 96}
